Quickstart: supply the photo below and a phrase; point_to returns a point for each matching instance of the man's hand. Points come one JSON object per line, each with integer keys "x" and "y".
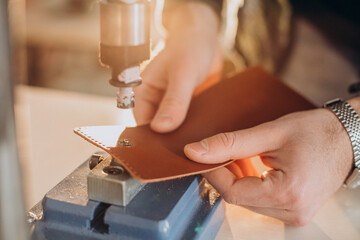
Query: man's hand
{"x": 191, "y": 53}
{"x": 310, "y": 155}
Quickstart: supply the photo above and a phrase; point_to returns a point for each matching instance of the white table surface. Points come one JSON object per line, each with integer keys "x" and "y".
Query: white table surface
{"x": 50, "y": 151}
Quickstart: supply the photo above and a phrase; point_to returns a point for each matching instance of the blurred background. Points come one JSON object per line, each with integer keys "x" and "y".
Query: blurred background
{"x": 60, "y": 84}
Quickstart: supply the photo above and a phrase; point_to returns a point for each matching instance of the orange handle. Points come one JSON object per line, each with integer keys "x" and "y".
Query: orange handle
{"x": 210, "y": 81}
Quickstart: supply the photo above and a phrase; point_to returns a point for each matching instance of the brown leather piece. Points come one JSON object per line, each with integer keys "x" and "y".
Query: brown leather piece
{"x": 245, "y": 100}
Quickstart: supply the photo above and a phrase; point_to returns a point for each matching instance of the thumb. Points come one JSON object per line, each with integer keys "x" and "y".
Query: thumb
{"x": 234, "y": 145}
{"x": 175, "y": 103}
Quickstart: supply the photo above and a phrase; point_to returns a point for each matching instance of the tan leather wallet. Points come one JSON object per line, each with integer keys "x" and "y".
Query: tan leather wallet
{"x": 245, "y": 100}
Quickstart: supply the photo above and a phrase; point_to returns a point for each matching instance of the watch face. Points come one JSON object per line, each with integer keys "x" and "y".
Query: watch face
{"x": 331, "y": 102}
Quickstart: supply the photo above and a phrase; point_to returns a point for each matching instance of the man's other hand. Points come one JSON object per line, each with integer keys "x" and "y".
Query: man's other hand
{"x": 191, "y": 53}
{"x": 309, "y": 154}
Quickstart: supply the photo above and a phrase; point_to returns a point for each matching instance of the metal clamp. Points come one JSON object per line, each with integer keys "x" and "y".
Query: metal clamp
{"x": 109, "y": 182}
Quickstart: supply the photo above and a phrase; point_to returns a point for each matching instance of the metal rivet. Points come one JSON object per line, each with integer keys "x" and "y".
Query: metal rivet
{"x": 125, "y": 143}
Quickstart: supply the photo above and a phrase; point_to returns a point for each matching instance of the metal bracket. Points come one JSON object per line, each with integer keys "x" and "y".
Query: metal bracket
{"x": 109, "y": 182}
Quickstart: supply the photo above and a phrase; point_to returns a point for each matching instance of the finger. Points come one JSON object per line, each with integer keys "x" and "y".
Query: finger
{"x": 175, "y": 103}
{"x": 281, "y": 214}
{"x": 155, "y": 70}
{"x": 235, "y": 145}
{"x": 295, "y": 218}
{"x": 149, "y": 94}
{"x": 247, "y": 191}
{"x": 147, "y": 100}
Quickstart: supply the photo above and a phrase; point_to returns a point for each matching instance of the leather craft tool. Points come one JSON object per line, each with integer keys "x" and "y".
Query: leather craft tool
{"x": 124, "y": 44}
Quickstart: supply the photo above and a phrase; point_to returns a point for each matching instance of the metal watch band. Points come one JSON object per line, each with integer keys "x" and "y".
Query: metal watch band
{"x": 351, "y": 122}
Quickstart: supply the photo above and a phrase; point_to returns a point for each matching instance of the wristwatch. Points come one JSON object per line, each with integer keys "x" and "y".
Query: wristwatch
{"x": 351, "y": 122}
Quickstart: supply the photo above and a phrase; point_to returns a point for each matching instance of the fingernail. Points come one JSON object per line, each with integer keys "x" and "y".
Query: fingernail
{"x": 163, "y": 119}
{"x": 199, "y": 147}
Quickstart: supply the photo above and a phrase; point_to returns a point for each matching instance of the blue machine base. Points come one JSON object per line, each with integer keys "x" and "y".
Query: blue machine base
{"x": 174, "y": 209}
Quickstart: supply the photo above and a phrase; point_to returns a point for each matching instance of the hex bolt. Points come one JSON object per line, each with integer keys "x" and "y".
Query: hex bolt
{"x": 95, "y": 160}
{"x": 113, "y": 170}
